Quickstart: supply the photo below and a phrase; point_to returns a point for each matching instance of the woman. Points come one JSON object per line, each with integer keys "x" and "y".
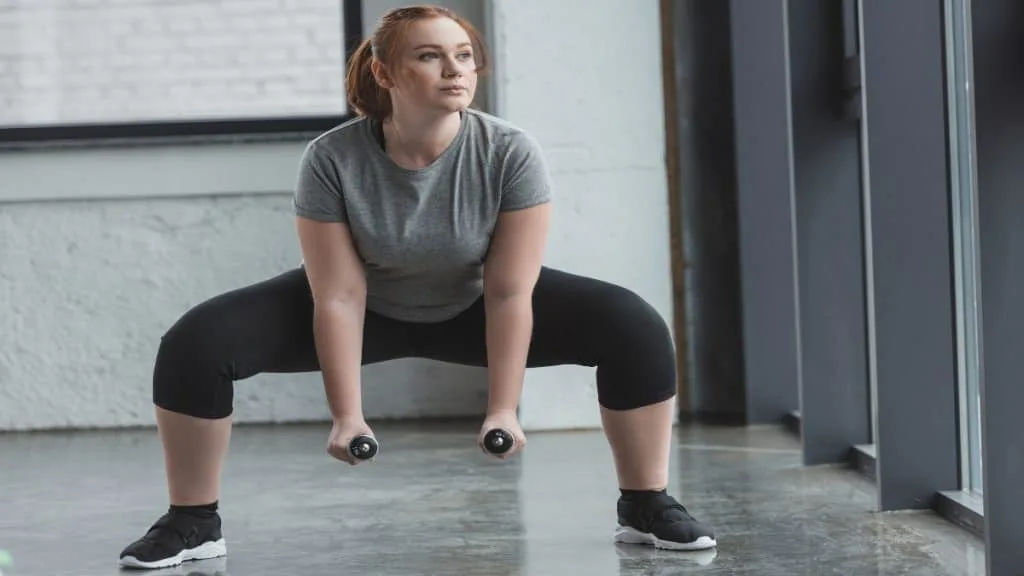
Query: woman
{"x": 422, "y": 225}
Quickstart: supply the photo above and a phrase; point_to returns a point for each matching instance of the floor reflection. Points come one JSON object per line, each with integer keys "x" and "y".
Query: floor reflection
{"x": 433, "y": 504}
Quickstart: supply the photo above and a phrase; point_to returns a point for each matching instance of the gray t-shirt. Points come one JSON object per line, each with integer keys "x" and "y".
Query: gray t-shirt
{"x": 422, "y": 234}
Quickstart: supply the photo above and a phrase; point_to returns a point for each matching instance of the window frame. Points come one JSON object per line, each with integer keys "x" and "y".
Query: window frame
{"x": 172, "y": 131}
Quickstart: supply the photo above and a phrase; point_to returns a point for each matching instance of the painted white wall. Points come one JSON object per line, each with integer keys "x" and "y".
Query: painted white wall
{"x": 584, "y": 77}
{"x": 102, "y": 249}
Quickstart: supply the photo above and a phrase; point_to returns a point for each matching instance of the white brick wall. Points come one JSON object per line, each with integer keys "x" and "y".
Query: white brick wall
{"x": 71, "y": 61}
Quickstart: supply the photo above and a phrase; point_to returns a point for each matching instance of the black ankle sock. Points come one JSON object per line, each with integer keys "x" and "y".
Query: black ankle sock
{"x": 201, "y": 511}
{"x": 639, "y": 495}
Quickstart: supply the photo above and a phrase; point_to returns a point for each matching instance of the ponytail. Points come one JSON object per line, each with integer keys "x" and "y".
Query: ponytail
{"x": 365, "y": 95}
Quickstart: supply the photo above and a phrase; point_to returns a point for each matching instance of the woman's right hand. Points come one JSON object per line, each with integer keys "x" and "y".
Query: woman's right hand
{"x": 342, "y": 433}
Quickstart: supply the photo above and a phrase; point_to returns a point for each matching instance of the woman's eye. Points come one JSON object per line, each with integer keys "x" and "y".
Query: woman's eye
{"x": 431, "y": 55}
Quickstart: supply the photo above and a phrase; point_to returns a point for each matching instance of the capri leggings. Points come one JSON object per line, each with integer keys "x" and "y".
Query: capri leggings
{"x": 267, "y": 327}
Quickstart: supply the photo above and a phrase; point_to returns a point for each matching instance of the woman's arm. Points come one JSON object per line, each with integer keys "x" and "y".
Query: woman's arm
{"x": 336, "y": 280}
{"x": 510, "y": 274}
{"x": 338, "y": 284}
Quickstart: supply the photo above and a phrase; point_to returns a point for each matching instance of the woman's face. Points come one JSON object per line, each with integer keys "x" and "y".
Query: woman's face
{"x": 435, "y": 69}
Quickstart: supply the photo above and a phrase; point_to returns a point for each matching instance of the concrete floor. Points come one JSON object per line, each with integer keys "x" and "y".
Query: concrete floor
{"x": 433, "y": 504}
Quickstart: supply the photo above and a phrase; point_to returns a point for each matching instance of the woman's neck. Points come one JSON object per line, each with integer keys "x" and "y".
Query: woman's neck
{"x": 415, "y": 142}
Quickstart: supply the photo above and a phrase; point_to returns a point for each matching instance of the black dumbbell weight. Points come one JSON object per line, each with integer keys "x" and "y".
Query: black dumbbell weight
{"x": 363, "y": 447}
{"x": 498, "y": 441}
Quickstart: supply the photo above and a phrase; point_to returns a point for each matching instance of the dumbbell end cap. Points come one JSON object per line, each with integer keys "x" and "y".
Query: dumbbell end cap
{"x": 498, "y": 441}
{"x": 363, "y": 447}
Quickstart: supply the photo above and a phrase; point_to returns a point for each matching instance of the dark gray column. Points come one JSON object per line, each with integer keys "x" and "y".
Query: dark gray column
{"x": 834, "y": 393}
{"x": 764, "y": 173}
{"x": 706, "y": 164}
{"x": 914, "y": 310}
{"x": 998, "y": 37}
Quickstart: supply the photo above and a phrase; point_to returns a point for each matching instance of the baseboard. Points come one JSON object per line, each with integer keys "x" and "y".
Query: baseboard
{"x": 792, "y": 422}
{"x": 862, "y": 458}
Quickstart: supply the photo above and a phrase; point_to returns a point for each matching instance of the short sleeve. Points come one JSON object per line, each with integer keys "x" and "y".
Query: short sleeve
{"x": 317, "y": 192}
{"x": 525, "y": 178}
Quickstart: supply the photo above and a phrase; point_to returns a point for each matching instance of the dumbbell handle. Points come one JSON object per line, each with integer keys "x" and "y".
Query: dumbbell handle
{"x": 498, "y": 441}
{"x": 363, "y": 447}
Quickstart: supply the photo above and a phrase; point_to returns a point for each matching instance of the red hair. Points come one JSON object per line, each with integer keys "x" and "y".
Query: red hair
{"x": 365, "y": 95}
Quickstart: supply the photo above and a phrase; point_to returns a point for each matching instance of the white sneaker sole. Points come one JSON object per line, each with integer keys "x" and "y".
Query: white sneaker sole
{"x": 204, "y": 551}
{"x": 627, "y": 535}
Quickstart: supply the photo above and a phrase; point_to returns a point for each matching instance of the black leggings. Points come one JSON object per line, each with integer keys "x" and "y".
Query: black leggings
{"x": 267, "y": 327}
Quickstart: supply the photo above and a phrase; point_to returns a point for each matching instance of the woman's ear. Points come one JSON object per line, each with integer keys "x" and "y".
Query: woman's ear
{"x": 380, "y": 74}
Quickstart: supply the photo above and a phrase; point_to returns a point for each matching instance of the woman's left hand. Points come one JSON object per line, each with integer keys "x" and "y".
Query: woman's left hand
{"x": 508, "y": 421}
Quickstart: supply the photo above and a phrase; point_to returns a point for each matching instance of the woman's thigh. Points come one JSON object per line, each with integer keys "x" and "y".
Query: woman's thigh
{"x": 268, "y": 327}
{"x": 576, "y": 320}
{"x": 265, "y": 327}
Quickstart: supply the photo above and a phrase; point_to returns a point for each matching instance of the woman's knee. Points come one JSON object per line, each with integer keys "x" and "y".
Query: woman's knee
{"x": 192, "y": 375}
{"x": 260, "y": 327}
{"x": 639, "y": 365}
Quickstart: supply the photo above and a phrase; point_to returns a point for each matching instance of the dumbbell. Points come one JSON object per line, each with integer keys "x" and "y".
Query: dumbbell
{"x": 498, "y": 441}
{"x": 363, "y": 447}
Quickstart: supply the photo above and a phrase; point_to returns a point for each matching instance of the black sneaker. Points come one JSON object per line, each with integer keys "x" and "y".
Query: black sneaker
{"x": 175, "y": 538}
{"x": 659, "y": 520}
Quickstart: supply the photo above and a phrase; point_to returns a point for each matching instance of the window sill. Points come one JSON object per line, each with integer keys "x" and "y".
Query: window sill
{"x": 963, "y": 508}
{"x": 181, "y": 170}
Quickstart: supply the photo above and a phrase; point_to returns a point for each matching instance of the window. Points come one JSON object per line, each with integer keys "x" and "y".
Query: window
{"x": 965, "y": 251}
{"x": 83, "y": 68}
